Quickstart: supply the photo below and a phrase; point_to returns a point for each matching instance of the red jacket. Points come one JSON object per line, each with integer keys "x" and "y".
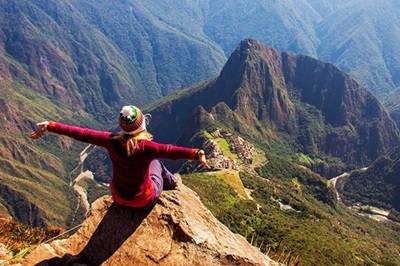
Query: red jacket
{"x": 130, "y": 184}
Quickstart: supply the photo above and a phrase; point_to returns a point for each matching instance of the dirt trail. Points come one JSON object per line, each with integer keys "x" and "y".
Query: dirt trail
{"x": 334, "y": 182}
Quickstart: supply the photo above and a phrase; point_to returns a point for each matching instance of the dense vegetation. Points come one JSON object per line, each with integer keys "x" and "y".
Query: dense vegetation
{"x": 294, "y": 105}
{"x": 79, "y": 62}
{"x": 377, "y": 186}
{"x": 313, "y": 233}
{"x": 291, "y": 173}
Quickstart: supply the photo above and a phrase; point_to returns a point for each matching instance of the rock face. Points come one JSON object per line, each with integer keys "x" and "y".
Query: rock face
{"x": 179, "y": 230}
{"x": 280, "y": 98}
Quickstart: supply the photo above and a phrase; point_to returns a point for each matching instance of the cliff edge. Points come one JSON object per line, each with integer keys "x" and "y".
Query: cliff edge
{"x": 179, "y": 230}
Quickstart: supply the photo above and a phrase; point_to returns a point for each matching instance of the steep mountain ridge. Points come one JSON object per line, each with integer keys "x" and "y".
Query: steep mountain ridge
{"x": 71, "y": 62}
{"x": 29, "y": 172}
{"x": 94, "y": 58}
{"x": 357, "y": 36}
{"x": 274, "y": 97}
{"x": 346, "y": 106}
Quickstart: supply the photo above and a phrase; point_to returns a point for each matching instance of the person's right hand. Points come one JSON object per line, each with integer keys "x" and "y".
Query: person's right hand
{"x": 42, "y": 129}
{"x": 202, "y": 159}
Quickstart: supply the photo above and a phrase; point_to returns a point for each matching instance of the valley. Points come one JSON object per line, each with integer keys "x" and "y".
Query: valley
{"x": 83, "y": 182}
{"x": 282, "y": 201}
{"x": 283, "y": 96}
{"x": 281, "y": 216}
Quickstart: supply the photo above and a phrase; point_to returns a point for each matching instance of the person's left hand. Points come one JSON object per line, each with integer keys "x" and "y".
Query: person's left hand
{"x": 42, "y": 129}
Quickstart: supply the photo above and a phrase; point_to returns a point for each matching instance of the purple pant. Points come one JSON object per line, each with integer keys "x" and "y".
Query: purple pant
{"x": 162, "y": 179}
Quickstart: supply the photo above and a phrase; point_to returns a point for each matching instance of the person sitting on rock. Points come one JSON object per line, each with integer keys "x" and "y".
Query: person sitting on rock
{"x": 138, "y": 177}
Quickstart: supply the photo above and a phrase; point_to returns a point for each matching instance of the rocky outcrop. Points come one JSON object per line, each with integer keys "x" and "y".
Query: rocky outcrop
{"x": 179, "y": 230}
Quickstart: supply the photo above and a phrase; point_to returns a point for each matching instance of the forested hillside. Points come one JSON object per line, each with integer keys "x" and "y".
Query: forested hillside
{"x": 289, "y": 104}
{"x": 300, "y": 81}
{"x": 79, "y": 62}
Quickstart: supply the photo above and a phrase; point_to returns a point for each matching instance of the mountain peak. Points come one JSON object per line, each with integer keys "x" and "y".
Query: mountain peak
{"x": 179, "y": 230}
{"x": 252, "y": 84}
{"x": 301, "y": 104}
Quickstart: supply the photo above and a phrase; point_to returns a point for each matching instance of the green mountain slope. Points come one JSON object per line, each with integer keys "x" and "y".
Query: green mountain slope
{"x": 377, "y": 186}
{"x": 359, "y": 37}
{"x": 285, "y": 220}
{"x": 34, "y": 184}
{"x": 286, "y": 103}
{"x": 289, "y": 211}
{"x": 95, "y": 57}
{"x": 78, "y": 63}
{"x": 159, "y": 40}
{"x": 285, "y": 25}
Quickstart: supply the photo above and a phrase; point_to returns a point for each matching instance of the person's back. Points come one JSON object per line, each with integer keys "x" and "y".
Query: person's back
{"x": 138, "y": 178}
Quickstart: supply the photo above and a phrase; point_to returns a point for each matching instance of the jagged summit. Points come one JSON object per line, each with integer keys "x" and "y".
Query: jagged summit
{"x": 179, "y": 230}
{"x": 293, "y": 102}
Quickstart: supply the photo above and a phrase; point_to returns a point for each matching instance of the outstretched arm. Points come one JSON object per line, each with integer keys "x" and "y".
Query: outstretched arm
{"x": 98, "y": 138}
{"x": 158, "y": 150}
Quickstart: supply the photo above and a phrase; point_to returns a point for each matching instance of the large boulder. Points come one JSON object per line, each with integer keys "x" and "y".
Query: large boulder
{"x": 179, "y": 230}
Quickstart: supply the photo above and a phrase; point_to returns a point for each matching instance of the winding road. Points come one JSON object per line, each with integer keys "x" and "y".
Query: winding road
{"x": 373, "y": 212}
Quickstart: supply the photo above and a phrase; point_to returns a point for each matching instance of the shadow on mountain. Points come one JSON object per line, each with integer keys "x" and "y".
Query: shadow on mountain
{"x": 116, "y": 227}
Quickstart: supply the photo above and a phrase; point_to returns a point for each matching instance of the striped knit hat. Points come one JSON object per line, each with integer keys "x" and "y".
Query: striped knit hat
{"x": 131, "y": 120}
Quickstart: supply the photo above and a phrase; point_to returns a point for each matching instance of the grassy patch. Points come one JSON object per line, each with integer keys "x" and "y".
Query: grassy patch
{"x": 231, "y": 177}
{"x": 320, "y": 234}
